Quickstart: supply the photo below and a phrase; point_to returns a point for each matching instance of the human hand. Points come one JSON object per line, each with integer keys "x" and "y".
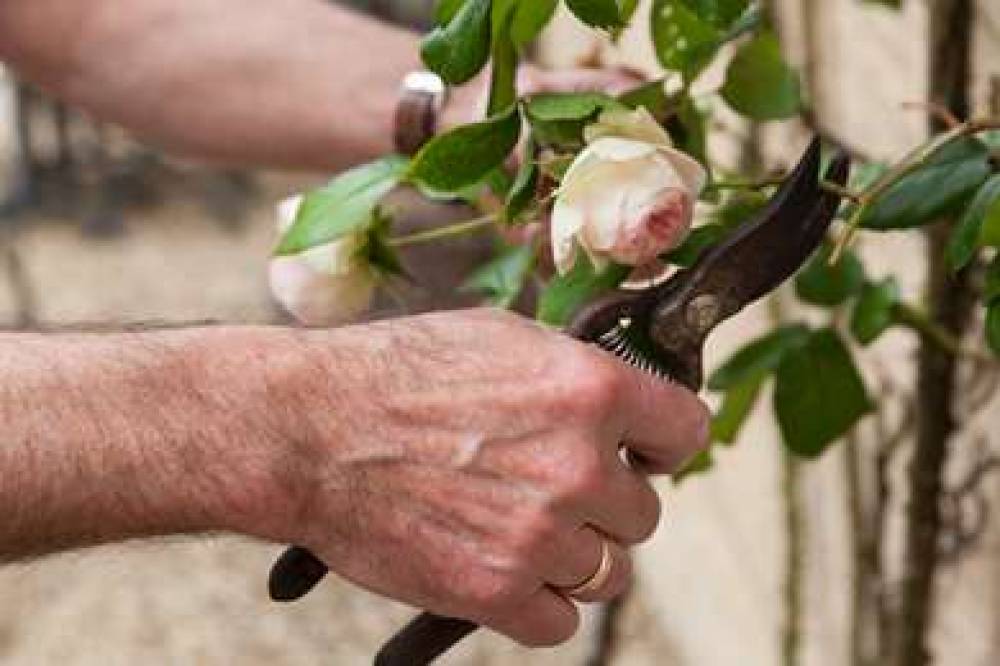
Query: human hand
{"x": 469, "y": 463}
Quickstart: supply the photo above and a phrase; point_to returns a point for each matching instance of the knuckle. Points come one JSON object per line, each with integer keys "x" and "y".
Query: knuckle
{"x": 583, "y": 475}
{"x": 594, "y": 386}
{"x": 490, "y": 594}
{"x": 536, "y": 529}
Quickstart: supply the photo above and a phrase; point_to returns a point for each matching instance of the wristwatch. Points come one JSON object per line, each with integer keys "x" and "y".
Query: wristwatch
{"x": 421, "y": 99}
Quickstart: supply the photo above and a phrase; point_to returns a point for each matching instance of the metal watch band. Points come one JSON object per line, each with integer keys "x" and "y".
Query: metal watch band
{"x": 422, "y": 96}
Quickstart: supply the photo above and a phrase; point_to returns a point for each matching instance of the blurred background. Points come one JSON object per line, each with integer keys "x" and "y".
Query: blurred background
{"x": 95, "y": 227}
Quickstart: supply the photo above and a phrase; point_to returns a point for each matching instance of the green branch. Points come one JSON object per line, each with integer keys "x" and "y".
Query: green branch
{"x": 441, "y": 233}
{"x": 918, "y": 321}
{"x": 913, "y": 161}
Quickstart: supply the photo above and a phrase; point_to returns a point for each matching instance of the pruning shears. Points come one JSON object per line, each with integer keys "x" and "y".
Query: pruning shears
{"x": 662, "y": 330}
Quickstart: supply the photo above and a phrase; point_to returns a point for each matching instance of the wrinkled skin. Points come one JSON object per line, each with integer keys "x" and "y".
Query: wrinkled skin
{"x": 445, "y": 467}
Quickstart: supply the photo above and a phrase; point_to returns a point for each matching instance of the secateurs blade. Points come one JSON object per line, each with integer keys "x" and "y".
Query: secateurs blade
{"x": 662, "y": 330}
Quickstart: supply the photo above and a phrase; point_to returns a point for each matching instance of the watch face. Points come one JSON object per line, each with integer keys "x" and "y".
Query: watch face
{"x": 425, "y": 82}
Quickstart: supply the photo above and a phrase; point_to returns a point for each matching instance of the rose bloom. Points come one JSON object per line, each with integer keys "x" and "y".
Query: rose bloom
{"x": 326, "y": 285}
{"x": 628, "y": 196}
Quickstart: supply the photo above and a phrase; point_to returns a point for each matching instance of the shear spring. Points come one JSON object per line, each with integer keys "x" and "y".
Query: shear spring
{"x": 617, "y": 343}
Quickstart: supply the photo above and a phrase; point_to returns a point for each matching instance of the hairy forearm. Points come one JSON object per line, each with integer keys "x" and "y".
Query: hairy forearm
{"x": 296, "y": 83}
{"x": 127, "y": 435}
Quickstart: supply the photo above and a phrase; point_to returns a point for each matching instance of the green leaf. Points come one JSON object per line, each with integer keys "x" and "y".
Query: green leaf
{"x": 343, "y": 206}
{"x": 522, "y": 193}
{"x": 530, "y": 19}
{"x": 497, "y": 181}
{"x": 558, "y": 119}
{"x": 991, "y": 139}
{"x": 503, "y": 279}
{"x": 821, "y": 284}
{"x": 759, "y": 84}
{"x": 874, "y": 311}
{"x": 989, "y": 236}
{"x": 965, "y": 240}
{"x": 866, "y": 174}
{"x": 750, "y": 21}
{"x": 758, "y": 359}
{"x": 991, "y": 284}
{"x": 597, "y": 13}
{"x": 682, "y": 40}
{"x": 651, "y": 96}
{"x": 736, "y": 406}
{"x": 737, "y": 209}
{"x": 701, "y": 462}
{"x": 552, "y": 107}
{"x": 942, "y": 186}
{"x": 688, "y": 128}
{"x": 819, "y": 394}
{"x": 568, "y": 293}
{"x": 379, "y": 253}
{"x": 628, "y": 9}
{"x": 445, "y": 10}
{"x": 699, "y": 240}
{"x": 503, "y": 76}
{"x": 466, "y": 154}
{"x": 993, "y": 327}
{"x": 720, "y": 13}
{"x": 459, "y": 50}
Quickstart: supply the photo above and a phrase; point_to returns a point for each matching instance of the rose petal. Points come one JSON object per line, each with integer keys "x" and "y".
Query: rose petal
{"x": 567, "y": 221}
{"x": 691, "y": 172}
{"x": 636, "y": 124}
{"x": 621, "y": 150}
{"x": 316, "y": 298}
{"x": 287, "y": 210}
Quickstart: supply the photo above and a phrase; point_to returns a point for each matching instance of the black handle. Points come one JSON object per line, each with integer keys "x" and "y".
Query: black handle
{"x": 423, "y": 640}
{"x": 419, "y": 643}
{"x": 295, "y": 574}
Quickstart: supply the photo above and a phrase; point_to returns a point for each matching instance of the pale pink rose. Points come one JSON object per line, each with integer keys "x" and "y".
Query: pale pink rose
{"x": 628, "y": 197}
{"x": 323, "y": 286}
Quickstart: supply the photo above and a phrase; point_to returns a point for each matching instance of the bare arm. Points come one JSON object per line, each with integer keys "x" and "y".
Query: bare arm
{"x": 294, "y": 83}
{"x": 115, "y": 436}
{"x": 428, "y": 459}
{"x": 290, "y": 83}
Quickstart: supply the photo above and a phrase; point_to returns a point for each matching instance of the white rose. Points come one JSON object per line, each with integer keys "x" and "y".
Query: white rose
{"x": 323, "y": 286}
{"x": 628, "y": 196}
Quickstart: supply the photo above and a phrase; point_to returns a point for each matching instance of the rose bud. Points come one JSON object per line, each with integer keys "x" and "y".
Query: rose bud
{"x": 326, "y": 285}
{"x": 628, "y": 197}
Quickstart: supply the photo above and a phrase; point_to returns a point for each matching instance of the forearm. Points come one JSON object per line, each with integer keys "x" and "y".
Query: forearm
{"x": 298, "y": 83}
{"x": 117, "y": 436}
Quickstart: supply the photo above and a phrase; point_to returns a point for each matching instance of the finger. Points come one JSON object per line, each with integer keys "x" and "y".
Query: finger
{"x": 545, "y": 618}
{"x": 573, "y": 558}
{"x": 663, "y": 423}
{"x": 614, "y": 583}
{"x": 627, "y": 507}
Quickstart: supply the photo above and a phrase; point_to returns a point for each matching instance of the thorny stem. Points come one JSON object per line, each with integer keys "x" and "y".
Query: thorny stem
{"x": 746, "y": 184}
{"x": 950, "y": 301}
{"x": 914, "y": 318}
{"x": 449, "y": 231}
{"x": 773, "y": 181}
{"x": 838, "y": 189}
{"x": 912, "y": 162}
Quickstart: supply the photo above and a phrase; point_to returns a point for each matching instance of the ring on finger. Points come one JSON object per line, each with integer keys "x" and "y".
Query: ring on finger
{"x": 599, "y": 578}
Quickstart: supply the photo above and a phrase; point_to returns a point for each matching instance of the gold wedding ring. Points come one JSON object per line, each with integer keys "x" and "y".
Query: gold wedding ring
{"x": 599, "y": 578}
